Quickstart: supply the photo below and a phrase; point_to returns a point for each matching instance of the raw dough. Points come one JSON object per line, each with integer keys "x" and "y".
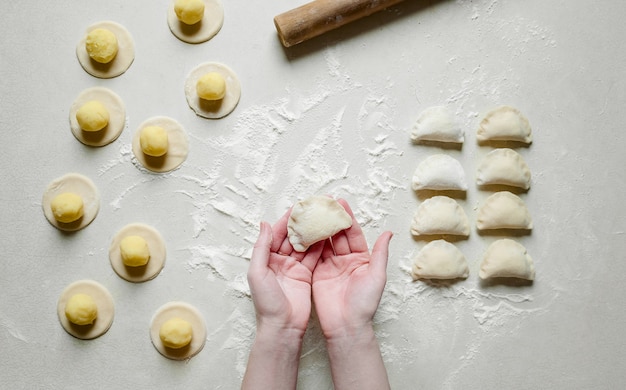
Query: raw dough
{"x": 153, "y": 141}
{"x": 67, "y": 207}
{"x": 439, "y": 172}
{"x": 439, "y": 259}
{"x": 213, "y": 109}
{"x": 156, "y": 247}
{"x": 440, "y": 215}
{"x": 79, "y": 185}
{"x": 505, "y": 167}
{"x": 103, "y": 301}
{"x": 506, "y": 258}
{"x": 315, "y": 219}
{"x": 81, "y": 309}
{"x": 123, "y": 59}
{"x": 437, "y": 124}
{"x": 176, "y": 333}
{"x": 504, "y": 124}
{"x": 117, "y": 116}
{"x": 177, "y": 149}
{"x": 185, "y": 312}
{"x": 202, "y": 31}
{"x": 503, "y": 210}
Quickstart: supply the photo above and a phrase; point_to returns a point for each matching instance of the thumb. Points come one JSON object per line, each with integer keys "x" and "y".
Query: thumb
{"x": 261, "y": 251}
{"x": 380, "y": 254}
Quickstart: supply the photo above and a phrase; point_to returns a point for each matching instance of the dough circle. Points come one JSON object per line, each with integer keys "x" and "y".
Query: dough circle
{"x": 202, "y": 31}
{"x": 177, "y": 150}
{"x": 80, "y": 185}
{"x": 218, "y": 108}
{"x": 156, "y": 245}
{"x": 188, "y": 313}
{"x": 104, "y": 301}
{"x": 117, "y": 117}
{"x": 122, "y": 61}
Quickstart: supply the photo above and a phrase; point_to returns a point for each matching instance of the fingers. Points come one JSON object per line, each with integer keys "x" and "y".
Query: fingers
{"x": 261, "y": 251}
{"x": 352, "y": 239}
{"x": 380, "y": 254}
{"x": 281, "y": 242}
{"x": 312, "y": 255}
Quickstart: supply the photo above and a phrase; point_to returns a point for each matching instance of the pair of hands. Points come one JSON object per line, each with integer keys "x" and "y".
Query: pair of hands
{"x": 345, "y": 280}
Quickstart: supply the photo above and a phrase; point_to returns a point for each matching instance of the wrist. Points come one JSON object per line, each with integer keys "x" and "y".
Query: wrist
{"x": 279, "y": 338}
{"x": 352, "y": 334}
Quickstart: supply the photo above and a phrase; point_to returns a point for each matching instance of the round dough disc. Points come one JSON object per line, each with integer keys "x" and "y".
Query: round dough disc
{"x": 104, "y": 301}
{"x": 188, "y": 313}
{"x": 202, "y": 31}
{"x": 156, "y": 246}
{"x": 122, "y": 61}
{"x": 218, "y": 108}
{"x": 117, "y": 117}
{"x": 177, "y": 149}
{"x": 80, "y": 185}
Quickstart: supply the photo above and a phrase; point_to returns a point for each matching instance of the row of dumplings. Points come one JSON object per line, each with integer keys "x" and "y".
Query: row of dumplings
{"x": 442, "y": 215}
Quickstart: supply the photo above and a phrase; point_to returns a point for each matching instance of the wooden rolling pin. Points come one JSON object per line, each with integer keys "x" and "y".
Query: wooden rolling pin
{"x": 320, "y": 16}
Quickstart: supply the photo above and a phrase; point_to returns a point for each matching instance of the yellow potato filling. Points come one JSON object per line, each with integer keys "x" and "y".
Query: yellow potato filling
{"x": 189, "y": 11}
{"x": 211, "y": 86}
{"x": 176, "y": 333}
{"x": 135, "y": 251}
{"x": 81, "y": 309}
{"x": 92, "y": 116}
{"x": 153, "y": 141}
{"x": 67, "y": 207}
{"x": 101, "y": 45}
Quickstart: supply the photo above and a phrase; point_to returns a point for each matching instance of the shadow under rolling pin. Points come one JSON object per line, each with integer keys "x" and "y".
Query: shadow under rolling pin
{"x": 320, "y": 16}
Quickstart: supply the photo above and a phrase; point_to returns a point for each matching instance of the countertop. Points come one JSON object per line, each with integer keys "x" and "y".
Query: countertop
{"x": 332, "y": 115}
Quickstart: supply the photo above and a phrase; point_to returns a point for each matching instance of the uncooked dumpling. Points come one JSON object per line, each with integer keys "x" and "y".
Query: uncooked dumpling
{"x": 315, "y": 219}
{"x": 439, "y": 259}
{"x": 504, "y": 166}
{"x": 437, "y": 124}
{"x": 504, "y": 124}
{"x": 439, "y": 172}
{"x": 440, "y": 215}
{"x": 506, "y": 258}
{"x": 503, "y": 210}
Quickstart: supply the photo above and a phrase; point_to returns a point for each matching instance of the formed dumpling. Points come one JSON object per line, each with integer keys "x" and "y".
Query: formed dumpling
{"x": 440, "y": 215}
{"x": 439, "y": 259}
{"x": 315, "y": 219}
{"x": 503, "y": 210}
{"x": 507, "y": 258}
{"x": 439, "y": 172}
{"x": 504, "y": 124}
{"x": 503, "y": 166}
{"x": 437, "y": 124}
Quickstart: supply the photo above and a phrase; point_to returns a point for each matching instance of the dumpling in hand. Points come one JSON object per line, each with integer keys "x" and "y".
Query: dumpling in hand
{"x": 503, "y": 166}
{"x": 503, "y": 210}
{"x": 439, "y": 259}
{"x": 506, "y": 258}
{"x": 439, "y": 172}
{"x": 440, "y": 215}
{"x": 437, "y": 124}
{"x": 315, "y": 219}
{"x": 505, "y": 124}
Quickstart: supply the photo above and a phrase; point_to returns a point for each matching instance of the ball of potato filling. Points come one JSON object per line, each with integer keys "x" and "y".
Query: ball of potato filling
{"x": 92, "y": 116}
{"x": 67, "y": 207}
{"x": 176, "y": 333}
{"x": 211, "y": 86}
{"x": 81, "y": 309}
{"x": 154, "y": 141}
{"x": 134, "y": 251}
{"x": 189, "y": 11}
{"x": 101, "y": 45}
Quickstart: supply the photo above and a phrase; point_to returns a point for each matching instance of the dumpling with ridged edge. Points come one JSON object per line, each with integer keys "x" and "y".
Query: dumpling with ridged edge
{"x": 504, "y": 123}
{"x": 503, "y": 166}
{"x": 503, "y": 210}
{"x": 437, "y": 124}
{"x": 506, "y": 258}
